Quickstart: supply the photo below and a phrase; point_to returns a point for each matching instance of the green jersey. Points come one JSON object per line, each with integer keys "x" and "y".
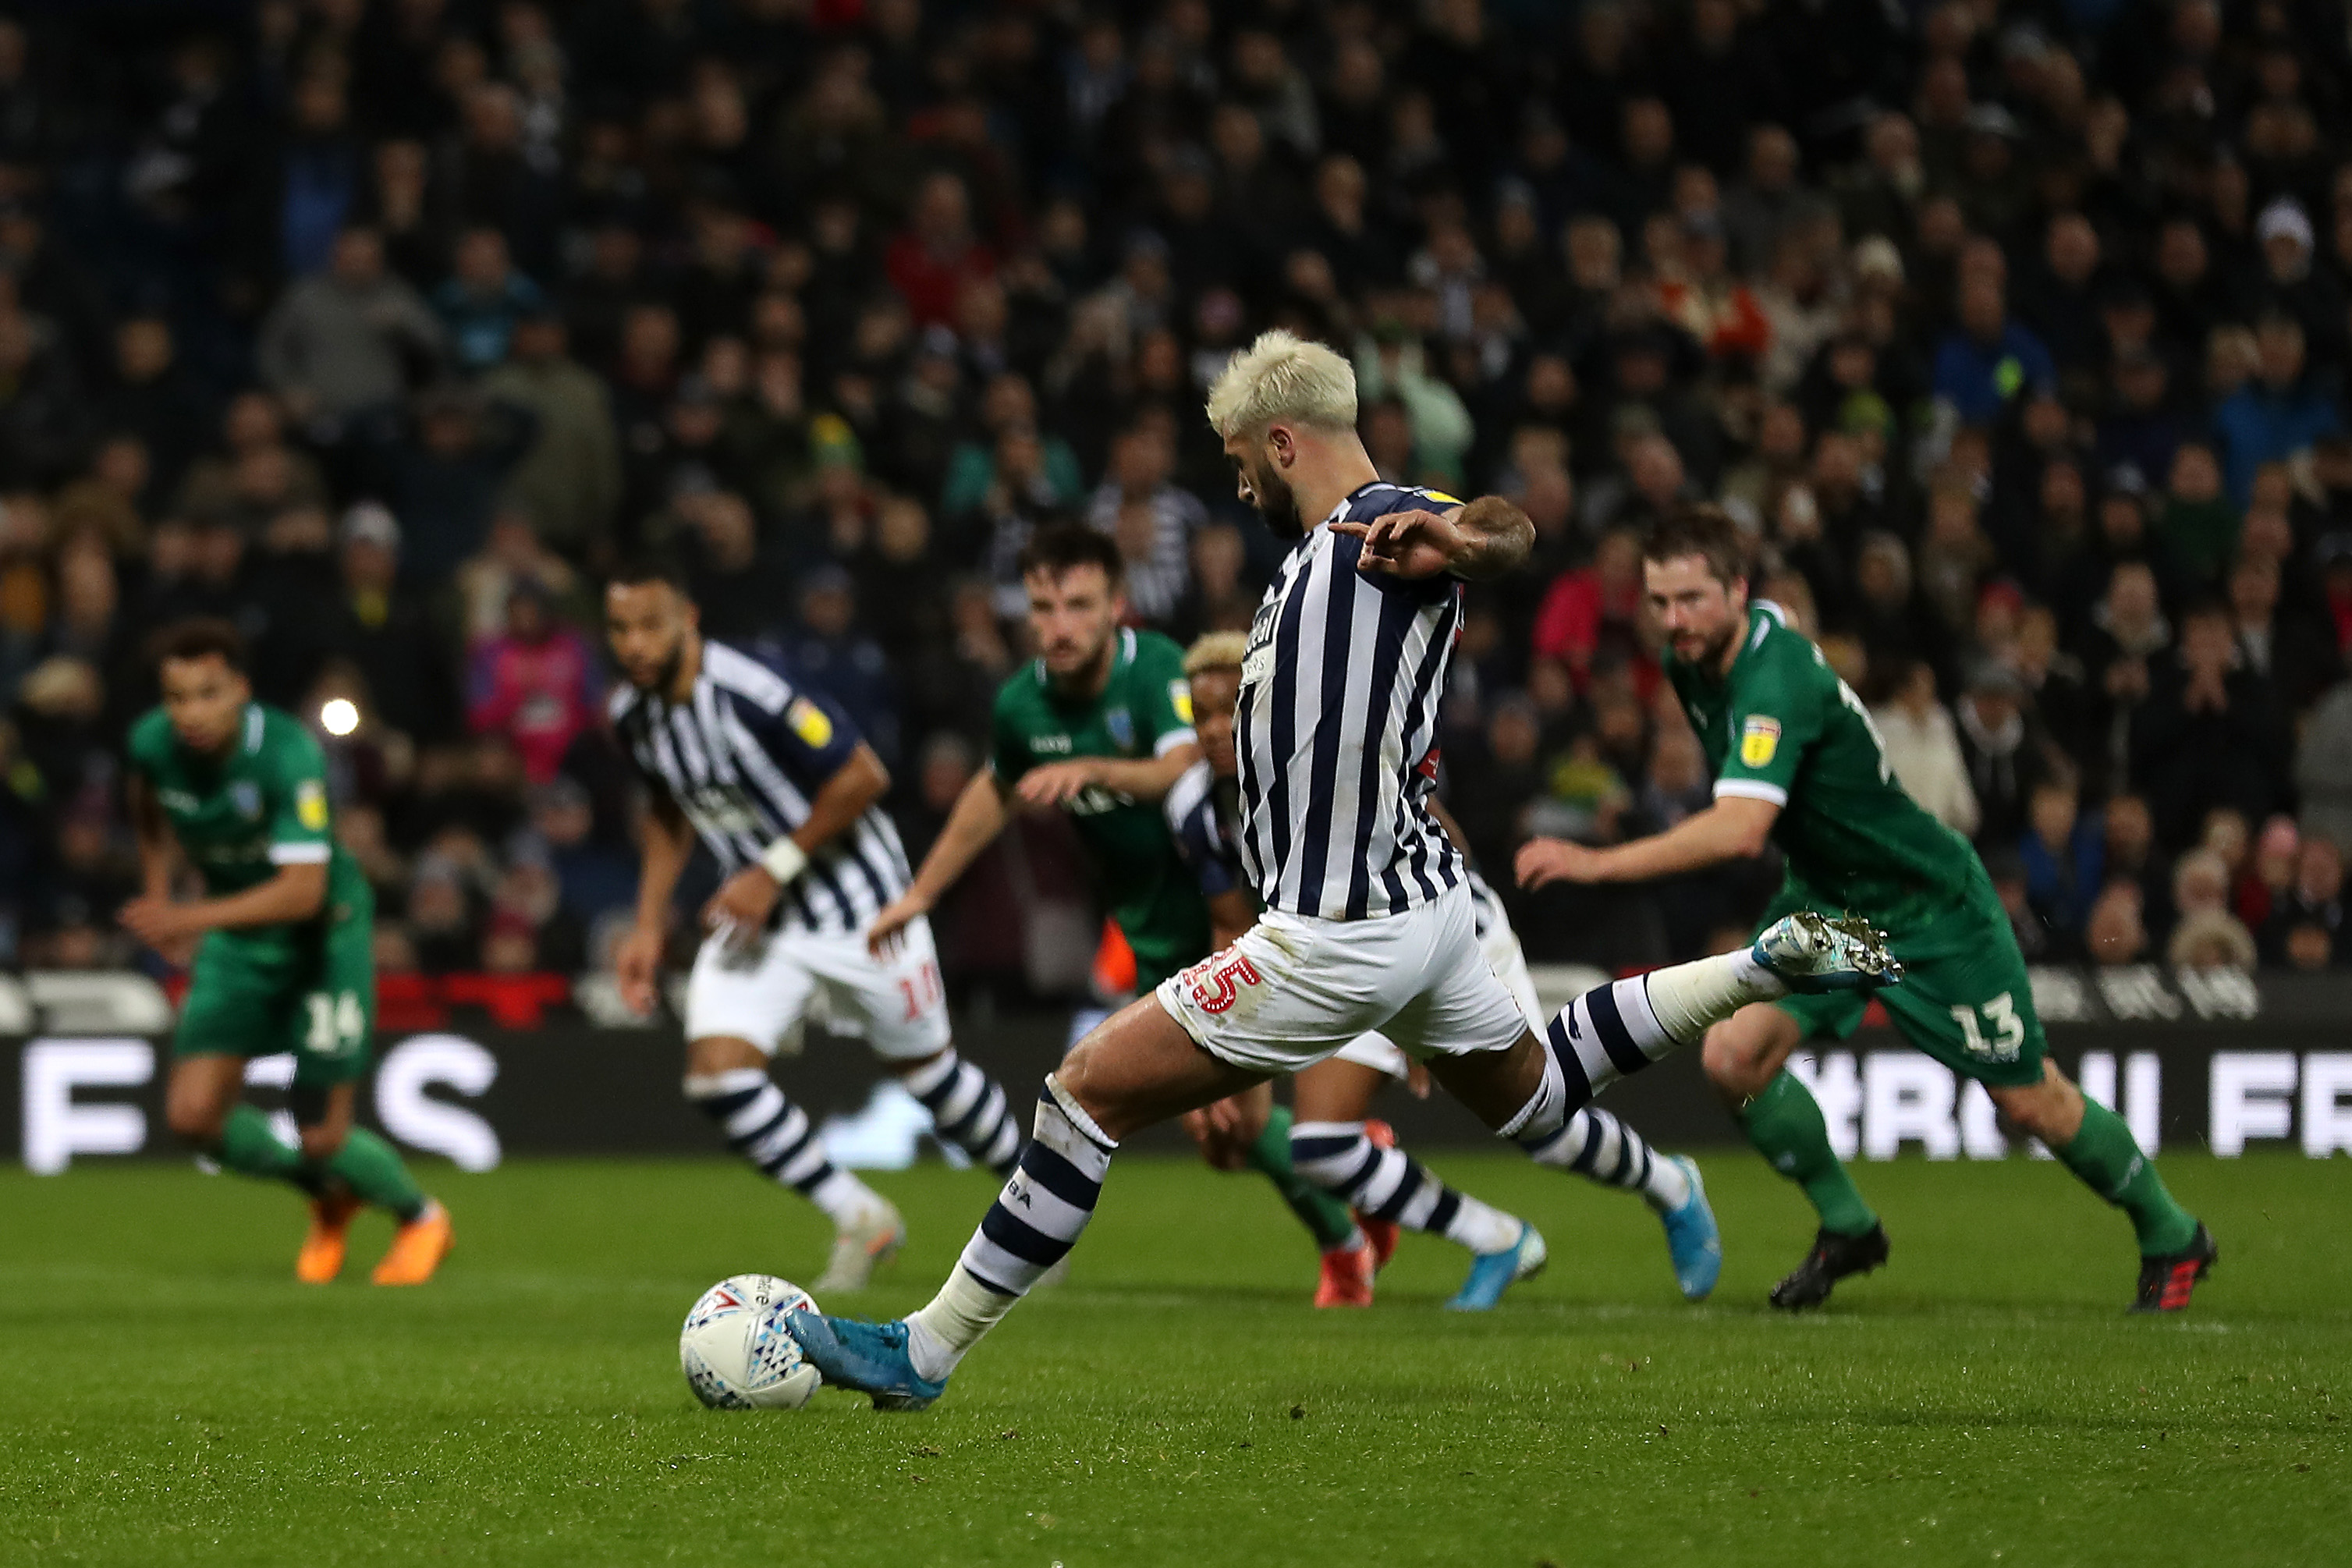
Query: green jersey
{"x": 1145, "y": 711}
{"x": 240, "y": 816}
{"x": 1784, "y": 728}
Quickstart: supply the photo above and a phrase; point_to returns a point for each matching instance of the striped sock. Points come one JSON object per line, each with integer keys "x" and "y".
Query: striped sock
{"x": 968, "y": 1110}
{"x": 1391, "y": 1184}
{"x": 1624, "y": 1027}
{"x": 1033, "y": 1225}
{"x": 774, "y": 1134}
{"x": 1596, "y": 1145}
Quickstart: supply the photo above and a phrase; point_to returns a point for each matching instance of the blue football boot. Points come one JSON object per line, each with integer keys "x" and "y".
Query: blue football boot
{"x": 1492, "y": 1273}
{"x": 868, "y": 1357}
{"x": 1692, "y": 1239}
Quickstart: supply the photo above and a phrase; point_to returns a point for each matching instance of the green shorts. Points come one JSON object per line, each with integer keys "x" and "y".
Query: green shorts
{"x": 1965, "y": 999}
{"x": 312, "y": 993}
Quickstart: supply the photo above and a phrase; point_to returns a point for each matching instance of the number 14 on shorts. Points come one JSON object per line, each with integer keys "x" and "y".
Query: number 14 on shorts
{"x": 337, "y": 1023}
{"x": 2000, "y": 1037}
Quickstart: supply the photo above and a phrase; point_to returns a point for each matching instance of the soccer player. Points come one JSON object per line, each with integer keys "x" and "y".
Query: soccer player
{"x": 774, "y": 778}
{"x": 1333, "y": 1144}
{"x": 281, "y": 949}
{"x": 1367, "y": 922}
{"x": 1100, "y": 726}
{"x": 1798, "y": 763}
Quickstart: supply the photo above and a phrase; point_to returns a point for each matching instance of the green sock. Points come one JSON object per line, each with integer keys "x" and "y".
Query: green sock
{"x": 250, "y": 1148}
{"x": 368, "y": 1166}
{"x": 1325, "y": 1216}
{"x": 2106, "y": 1158}
{"x": 1785, "y": 1124}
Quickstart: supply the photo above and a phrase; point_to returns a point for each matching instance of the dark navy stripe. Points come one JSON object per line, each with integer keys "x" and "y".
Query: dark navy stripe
{"x": 1323, "y": 770}
{"x": 1414, "y": 1178}
{"x": 1563, "y": 1051}
{"x": 1019, "y": 1237}
{"x": 1440, "y": 1214}
{"x": 1601, "y": 1002}
{"x": 1397, "y": 617}
{"x": 1059, "y": 1177}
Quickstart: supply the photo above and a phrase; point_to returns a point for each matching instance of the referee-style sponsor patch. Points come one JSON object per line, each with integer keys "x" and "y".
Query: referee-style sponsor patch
{"x": 1758, "y": 740}
{"x": 809, "y": 722}
{"x": 1180, "y": 697}
{"x": 310, "y": 804}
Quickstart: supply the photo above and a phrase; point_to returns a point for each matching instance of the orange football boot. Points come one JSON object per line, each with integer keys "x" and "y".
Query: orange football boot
{"x": 1347, "y": 1278}
{"x": 322, "y": 1257}
{"x": 417, "y": 1248}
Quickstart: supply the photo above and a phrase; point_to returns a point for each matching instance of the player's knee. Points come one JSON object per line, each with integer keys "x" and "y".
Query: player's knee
{"x": 2050, "y": 1110}
{"x": 321, "y": 1142}
{"x": 194, "y": 1122}
{"x": 1734, "y": 1063}
{"x": 715, "y": 1054}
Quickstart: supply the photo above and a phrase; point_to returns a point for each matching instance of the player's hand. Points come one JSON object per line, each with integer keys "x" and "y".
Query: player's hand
{"x": 636, "y": 964}
{"x": 1546, "y": 860}
{"x": 1056, "y": 783}
{"x": 1417, "y": 1081}
{"x": 884, "y": 936}
{"x": 170, "y": 929}
{"x": 745, "y": 901}
{"x": 1407, "y": 543}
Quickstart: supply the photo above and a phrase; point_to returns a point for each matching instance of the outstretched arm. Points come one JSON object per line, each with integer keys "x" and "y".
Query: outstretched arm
{"x": 1487, "y": 538}
{"x": 1734, "y": 828}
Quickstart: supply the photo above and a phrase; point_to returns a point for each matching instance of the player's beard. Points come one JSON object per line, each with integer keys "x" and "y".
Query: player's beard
{"x": 1711, "y": 651}
{"x": 665, "y": 679}
{"x": 1277, "y": 505}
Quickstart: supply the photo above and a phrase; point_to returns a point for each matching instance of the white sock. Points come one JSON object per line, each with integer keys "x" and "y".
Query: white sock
{"x": 1688, "y": 998}
{"x": 1481, "y": 1227}
{"x": 844, "y": 1199}
{"x": 939, "y": 1335}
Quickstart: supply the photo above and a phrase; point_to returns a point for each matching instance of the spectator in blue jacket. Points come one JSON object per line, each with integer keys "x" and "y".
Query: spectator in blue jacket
{"x": 2282, "y": 411}
{"x": 1988, "y": 359}
{"x": 484, "y": 299}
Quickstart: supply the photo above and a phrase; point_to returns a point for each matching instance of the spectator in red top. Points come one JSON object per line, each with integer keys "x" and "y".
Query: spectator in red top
{"x": 1589, "y": 609}
{"x": 937, "y": 254}
{"x": 535, "y": 683}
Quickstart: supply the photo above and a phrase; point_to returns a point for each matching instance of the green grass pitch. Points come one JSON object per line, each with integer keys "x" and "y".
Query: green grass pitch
{"x": 168, "y": 1395}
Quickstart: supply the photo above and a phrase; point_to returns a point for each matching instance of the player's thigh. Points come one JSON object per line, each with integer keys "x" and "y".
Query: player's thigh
{"x": 331, "y": 1014}
{"x": 756, "y": 991}
{"x": 896, "y": 1001}
{"x": 1139, "y": 1066}
{"x": 1289, "y": 992}
{"x": 1969, "y": 1004}
{"x": 1342, "y": 1087}
{"x": 1460, "y": 1007}
{"x": 203, "y": 1089}
{"x": 236, "y": 1003}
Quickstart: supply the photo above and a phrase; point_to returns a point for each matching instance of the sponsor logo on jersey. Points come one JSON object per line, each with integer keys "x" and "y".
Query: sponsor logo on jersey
{"x": 179, "y": 800}
{"x": 246, "y": 795}
{"x": 1121, "y": 725}
{"x": 1758, "y": 738}
{"x": 809, "y": 722}
{"x": 1180, "y": 697}
{"x": 1050, "y": 745}
{"x": 310, "y": 804}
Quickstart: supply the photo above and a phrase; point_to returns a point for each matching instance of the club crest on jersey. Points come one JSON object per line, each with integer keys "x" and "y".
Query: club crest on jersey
{"x": 310, "y": 804}
{"x": 809, "y": 722}
{"x": 1758, "y": 738}
{"x": 246, "y": 795}
{"x": 1121, "y": 725}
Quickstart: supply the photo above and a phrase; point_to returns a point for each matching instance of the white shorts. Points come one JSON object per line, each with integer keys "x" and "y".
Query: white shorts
{"x": 1295, "y": 989}
{"x": 1502, "y": 955}
{"x": 762, "y": 992}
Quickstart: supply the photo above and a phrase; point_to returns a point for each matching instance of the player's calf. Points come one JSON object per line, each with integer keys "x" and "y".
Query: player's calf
{"x": 968, "y": 1109}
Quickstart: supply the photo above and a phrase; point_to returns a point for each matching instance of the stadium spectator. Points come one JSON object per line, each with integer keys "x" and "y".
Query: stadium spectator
{"x": 1924, "y": 750}
{"x": 535, "y": 684}
{"x": 348, "y": 340}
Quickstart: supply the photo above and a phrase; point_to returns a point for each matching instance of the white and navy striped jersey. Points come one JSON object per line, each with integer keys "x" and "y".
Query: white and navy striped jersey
{"x": 743, "y": 760}
{"x": 1336, "y": 726}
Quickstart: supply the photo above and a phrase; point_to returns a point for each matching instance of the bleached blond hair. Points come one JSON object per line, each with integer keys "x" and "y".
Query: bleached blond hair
{"x": 1282, "y": 377}
{"x": 1216, "y": 650}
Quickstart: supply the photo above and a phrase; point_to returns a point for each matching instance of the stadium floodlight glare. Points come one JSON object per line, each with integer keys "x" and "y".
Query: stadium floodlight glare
{"x": 339, "y": 716}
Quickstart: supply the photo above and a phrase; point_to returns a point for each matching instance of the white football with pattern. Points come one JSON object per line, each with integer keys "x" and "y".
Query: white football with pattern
{"x": 737, "y": 1350}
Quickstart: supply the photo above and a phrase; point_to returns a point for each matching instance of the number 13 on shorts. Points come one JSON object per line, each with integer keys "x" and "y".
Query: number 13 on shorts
{"x": 2000, "y": 1036}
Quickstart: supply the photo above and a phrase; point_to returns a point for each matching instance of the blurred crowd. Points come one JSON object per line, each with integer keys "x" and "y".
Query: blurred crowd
{"x": 2011, "y": 330}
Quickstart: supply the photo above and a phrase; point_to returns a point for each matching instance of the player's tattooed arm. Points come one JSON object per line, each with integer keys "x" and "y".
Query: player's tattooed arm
{"x": 1487, "y": 538}
{"x": 1734, "y": 828}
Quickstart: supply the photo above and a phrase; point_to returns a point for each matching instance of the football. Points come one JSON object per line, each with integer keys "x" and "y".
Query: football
{"x": 737, "y": 1351}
